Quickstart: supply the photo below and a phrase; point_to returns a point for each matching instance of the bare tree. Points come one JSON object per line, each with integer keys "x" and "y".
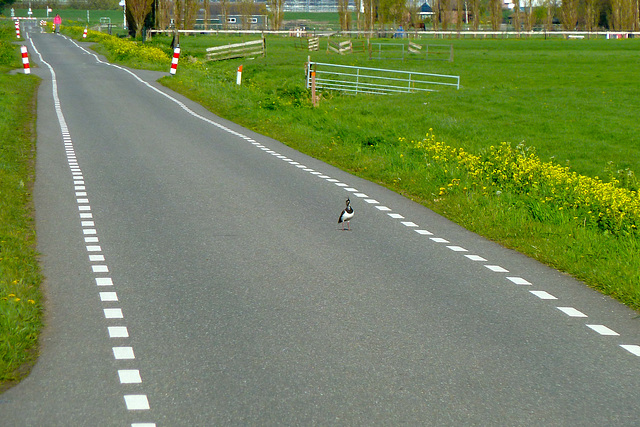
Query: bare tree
{"x": 164, "y": 11}
{"x": 475, "y": 11}
{"x": 530, "y": 16}
{"x": 516, "y": 17}
{"x": 190, "y": 14}
{"x": 459, "y": 15}
{"x": 207, "y": 13}
{"x": 344, "y": 15}
{"x": 625, "y": 14}
{"x": 277, "y": 13}
{"x": 369, "y": 8}
{"x": 436, "y": 8}
{"x": 359, "y": 15}
{"x": 138, "y": 10}
{"x": 495, "y": 11}
{"x": 569, "y": 11}
{"x": 445, "y": 10}
{"x": 246, "y": 11}
{"x": 549, "y": 6}
{"x": 591, "y": 14}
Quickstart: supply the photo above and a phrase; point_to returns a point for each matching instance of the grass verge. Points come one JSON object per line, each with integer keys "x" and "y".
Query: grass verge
{"x": 20, "y": 279}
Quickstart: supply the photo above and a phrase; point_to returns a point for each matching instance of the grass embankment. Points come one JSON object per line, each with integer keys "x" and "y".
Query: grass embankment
{"x": 559, "y": 103}
{"x": 20, "y": 297}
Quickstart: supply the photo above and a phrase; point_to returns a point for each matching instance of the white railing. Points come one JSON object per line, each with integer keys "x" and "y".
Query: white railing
{"x": 236, "y": 50}
{"x": 353, "y": 79}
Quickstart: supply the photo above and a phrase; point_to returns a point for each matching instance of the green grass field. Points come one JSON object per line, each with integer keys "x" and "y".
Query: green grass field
{"x": 573, "y": 100}
{"x": 20, "y": 297}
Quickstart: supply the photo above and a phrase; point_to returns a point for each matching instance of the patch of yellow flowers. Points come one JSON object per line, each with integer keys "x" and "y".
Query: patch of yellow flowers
{"x": 503, "y": 168}
{"x": 123, "y": 49}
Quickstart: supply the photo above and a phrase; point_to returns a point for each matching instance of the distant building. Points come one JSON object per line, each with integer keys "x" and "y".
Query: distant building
{"x": 425, "y": 11}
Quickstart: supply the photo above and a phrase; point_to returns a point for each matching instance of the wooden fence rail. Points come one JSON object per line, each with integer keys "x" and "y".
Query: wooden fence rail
{"x": 237, "y": 50}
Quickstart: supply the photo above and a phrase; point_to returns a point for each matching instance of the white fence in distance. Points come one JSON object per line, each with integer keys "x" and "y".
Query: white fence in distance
{"x": 236, "y": 50}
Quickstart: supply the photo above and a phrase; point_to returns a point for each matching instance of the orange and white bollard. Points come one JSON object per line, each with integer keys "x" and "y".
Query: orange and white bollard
{"x": 239, "y": 76}
{"x": 314, "y": 97}
{"x": 174, "y": 61}
{"x": 25, "y": 60}
{"x": 84, "y": 35}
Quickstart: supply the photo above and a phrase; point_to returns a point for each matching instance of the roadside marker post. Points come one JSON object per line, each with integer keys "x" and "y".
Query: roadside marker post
{"x": 84, "y": 35}
{"x": 239, "y": 76}
{"x": 17, "y": 29}
{"x": 25, "y": 60}
{"x": 174, "y": 61}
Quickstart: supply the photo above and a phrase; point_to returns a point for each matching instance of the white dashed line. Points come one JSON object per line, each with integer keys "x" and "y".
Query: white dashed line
{"x": 136, "y": 402}
{"x": 438, "y": 240}
{"x": 603, "y": 330}
{"x": 424, "y": 232}
{"x": 108, "y": 296}
{"x": 129, "y": 376}
{"x": 123, "y": 353}
{"x": 383, "y": 208}
{"x": 497, "y": 269}
{"x": 104, "y": 281}
{"x": 519, "y": 280}
{"x": 113, "y": 313}
{"x": 572, "y": 312}
{"x": 118, "y": 332}
{"x": 409, "y": 224}
{"x": 395, "y": 216}
{"x": 633, "y": 349}
{"x": 543, "y": 295}
{"x": 457, "y": 248}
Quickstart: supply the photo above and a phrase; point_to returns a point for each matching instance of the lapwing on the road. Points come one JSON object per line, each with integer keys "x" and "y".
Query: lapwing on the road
{"x": 346, "y": 215}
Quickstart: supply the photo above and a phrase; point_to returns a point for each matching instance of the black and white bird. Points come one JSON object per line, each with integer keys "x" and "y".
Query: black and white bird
{"x": 346, "y": 215}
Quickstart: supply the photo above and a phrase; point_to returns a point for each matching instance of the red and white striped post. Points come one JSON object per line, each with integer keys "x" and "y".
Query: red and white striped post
{"x": 84, "y": 35}
{"x": 17, "y": 29}
{"x": 174, "y": 61}
{"x": 25, "y": 60}
{"x": 239, "y": 76}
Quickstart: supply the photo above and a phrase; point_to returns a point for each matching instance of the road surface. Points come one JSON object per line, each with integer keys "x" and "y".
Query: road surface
{"x": 196, "y": 275}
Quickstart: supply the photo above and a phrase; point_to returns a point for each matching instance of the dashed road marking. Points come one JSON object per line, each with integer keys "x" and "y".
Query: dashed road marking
{"x": 571, "y": 312}
{"x": 603, "y": 330}
{"x": 543, "y": 294}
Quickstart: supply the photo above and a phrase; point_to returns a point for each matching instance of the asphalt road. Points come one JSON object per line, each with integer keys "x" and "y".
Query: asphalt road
{"x": 196, "y": 276}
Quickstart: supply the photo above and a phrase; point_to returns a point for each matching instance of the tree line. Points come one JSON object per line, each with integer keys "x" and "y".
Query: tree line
{"x": 369, "y": 15}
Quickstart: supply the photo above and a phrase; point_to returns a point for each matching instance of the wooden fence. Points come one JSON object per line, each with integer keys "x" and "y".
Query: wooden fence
{"x": 237, "y": 50}
{"x": 346, "y": 47}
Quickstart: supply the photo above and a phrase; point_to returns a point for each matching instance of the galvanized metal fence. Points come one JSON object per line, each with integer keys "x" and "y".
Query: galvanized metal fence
{"x": 353, "y": 79}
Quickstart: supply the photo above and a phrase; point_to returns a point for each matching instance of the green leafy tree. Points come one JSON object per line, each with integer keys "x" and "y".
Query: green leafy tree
{"x": 5, "y": 3}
